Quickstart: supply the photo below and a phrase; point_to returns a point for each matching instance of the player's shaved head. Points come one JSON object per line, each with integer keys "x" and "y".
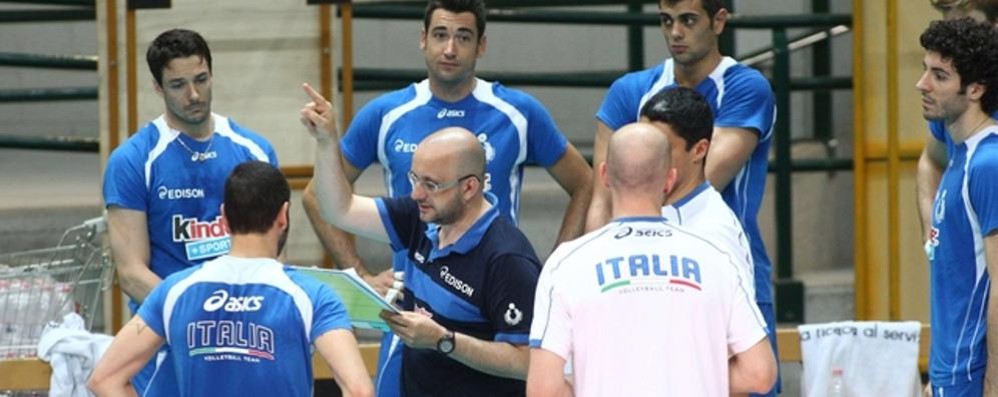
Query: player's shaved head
{"x": 459, "y": 148}
{"x": 638, "y": 159}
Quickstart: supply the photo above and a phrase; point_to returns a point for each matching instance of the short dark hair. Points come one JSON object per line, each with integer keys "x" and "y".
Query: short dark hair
{"x": 255, "y": 191}
{"x": 173, "y": 44}
{"x": 683, "y": 109}
{"x": 972, "y": 47}
{"x": 476, "y": 7}
{"x": 988, "y": 7}
{"x": 711, "y": 6}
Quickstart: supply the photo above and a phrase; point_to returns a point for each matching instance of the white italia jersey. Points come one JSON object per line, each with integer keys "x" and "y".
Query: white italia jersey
{"x": 644, "y": 307}
{"x": 704, "y": 212}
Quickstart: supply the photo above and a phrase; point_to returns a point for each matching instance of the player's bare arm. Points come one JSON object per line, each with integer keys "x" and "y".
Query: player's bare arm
{"x": 599, "y": 206}
{"x": 929, "y": 172}
{"x": 129, "y": 236}
{"x": 131, "y": 349}
{"x": 576, "y": 178}
{"x": 340, "y": 351}
{"x": 730, "y": 149}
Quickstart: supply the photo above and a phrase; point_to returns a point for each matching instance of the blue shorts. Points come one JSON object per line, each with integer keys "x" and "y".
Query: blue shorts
{"x": 769, "y": 314}
{"x": 388, "y": 381}
{"x": 974, "y": 388}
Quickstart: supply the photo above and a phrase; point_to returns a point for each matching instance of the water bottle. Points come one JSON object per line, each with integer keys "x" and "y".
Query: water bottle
{"x": 836, "y": 386}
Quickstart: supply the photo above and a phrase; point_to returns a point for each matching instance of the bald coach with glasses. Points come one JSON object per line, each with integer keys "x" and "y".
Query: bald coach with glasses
{"x": 470, "y": 275}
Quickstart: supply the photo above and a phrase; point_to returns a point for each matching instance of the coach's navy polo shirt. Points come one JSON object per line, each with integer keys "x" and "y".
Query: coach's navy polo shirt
{"x": 482, "y": 286}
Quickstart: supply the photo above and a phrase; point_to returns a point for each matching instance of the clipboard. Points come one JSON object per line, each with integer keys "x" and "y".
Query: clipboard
{"x": 362, "y": 302}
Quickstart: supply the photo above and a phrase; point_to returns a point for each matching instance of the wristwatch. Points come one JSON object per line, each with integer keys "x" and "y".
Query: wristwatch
{"x": 446, "y": 344}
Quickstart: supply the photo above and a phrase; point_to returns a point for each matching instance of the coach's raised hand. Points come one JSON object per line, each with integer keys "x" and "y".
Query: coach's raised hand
{"x": 318, "y": 115}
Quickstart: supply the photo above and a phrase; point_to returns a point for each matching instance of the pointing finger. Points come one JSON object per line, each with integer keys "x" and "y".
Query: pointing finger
{"x": 317, "y": 98}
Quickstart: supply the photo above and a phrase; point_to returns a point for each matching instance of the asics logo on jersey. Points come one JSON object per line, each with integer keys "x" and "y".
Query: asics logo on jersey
{"x": 220, "y": 300}
{"x": 648, "y": 271}
{"x": 166, "y": 193}
{"x": 450, "y": 113}
{"x": 455, "y": 282}
{"x": 191, "y": 229}
{"x": 404, "y": 147}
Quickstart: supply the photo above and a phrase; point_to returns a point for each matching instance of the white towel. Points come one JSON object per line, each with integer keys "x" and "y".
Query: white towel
{"x": 72, "y": 352}
{"x": 876, "y": 358}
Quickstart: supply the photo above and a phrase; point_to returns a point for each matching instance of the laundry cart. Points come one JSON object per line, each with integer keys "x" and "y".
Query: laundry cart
{"x": 40, "y": 287}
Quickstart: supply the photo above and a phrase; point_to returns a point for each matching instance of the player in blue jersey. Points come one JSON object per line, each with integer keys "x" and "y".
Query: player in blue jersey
{"x": 960, "y": 88}
{"x": 241, "y": 324}
{"x": 163, "y": 186}
{"x": 934, "y": 156}
{"x": 515, "y": 129}
{"x": 744, "y": 114}
{"x": 470, "y": 275}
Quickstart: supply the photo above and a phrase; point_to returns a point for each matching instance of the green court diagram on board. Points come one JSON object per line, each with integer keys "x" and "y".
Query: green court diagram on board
{"x": 362, "y": 302}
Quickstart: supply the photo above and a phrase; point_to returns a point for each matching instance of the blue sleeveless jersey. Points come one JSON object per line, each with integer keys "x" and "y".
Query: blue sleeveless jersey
{"x": 242, "y": 326}
{"x": 964, "y": 213}
{"x": 739, "y": 97}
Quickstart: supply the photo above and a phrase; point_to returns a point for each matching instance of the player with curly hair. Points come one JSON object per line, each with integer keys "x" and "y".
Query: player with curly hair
{"x": 960, "y": 89}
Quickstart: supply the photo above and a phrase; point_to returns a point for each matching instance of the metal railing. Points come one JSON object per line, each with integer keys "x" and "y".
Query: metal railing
{"x": 75, "y": 10}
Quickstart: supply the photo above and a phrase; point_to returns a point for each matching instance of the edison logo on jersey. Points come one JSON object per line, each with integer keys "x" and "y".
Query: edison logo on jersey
{"x": 166, "y": 193}
{"x": 455, "y": 282}
{"x": 401, "y": 146}
{"x": 648, "y": 271}
{"x": 221, "y": 300}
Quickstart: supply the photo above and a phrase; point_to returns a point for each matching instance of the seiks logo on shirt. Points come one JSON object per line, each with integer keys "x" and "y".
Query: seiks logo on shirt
{"x": 221, "y": 300}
